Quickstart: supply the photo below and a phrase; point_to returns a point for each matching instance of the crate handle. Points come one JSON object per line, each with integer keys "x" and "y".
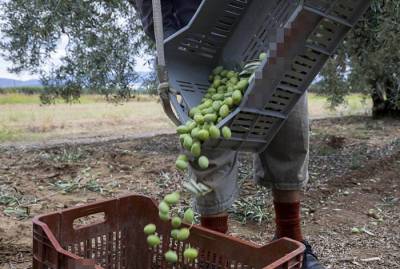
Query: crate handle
{"x": 70, "y": 216}
{"x": 99, "y": 217}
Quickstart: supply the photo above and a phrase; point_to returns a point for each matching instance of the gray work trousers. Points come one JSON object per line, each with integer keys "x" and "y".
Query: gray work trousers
{"x": 282, "y": 166}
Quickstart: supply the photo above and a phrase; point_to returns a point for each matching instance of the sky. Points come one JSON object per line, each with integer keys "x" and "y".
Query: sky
{"x": 5, "y": 74}
{"x": 55, "y": 59}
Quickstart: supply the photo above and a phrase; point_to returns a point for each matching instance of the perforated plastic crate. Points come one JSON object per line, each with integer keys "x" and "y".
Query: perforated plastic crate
{"x": 117, "y": 241}
{"x": 298, "y": 36}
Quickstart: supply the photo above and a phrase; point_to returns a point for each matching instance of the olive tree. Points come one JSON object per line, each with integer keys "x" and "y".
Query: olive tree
{"x": 368, "y": 61}
{"x": 104, "y": 39}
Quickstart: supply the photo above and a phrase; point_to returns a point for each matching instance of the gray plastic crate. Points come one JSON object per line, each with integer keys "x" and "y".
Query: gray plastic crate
{"x": 298, "y": 37}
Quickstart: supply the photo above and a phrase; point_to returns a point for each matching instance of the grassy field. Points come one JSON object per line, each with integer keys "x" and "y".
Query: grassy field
{"x": 355, "y": 104}
{"x": 22, "y": 118}
{"x": 33, "y": 99}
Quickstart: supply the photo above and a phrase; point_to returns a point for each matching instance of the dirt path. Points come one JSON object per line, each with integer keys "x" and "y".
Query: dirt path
{"x": 98, "y": 139}
{"x": 355, "y": 163}
{"x": 82, "y": 140}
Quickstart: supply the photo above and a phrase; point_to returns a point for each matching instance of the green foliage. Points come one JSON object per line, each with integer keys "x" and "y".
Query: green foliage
{"x": 334, "y": 80}
{"x": 368, "y": 60}
{"x": 150, "y": 84}
{"x": 103, "y": 39}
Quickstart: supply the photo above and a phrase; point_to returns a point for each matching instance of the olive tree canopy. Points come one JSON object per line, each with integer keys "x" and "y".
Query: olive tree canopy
{"x": 368, "y": 61}
{"x": 104, "y": 40}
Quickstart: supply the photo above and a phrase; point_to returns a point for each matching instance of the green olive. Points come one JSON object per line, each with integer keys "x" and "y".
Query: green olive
{"x": 211, "y": 90}
{"x": 203, "y": 135}
{"x": 199, "y": 119}
{"x": 216, "y": 105}
{"x": 203, "y": 162}
{"x": 149, "y": 229}
{"x": 174, "y": 233}
{"x": 191, "y": 125}
{"x": 242, "y": 84}
{"x": 182, "y": 129}
{"x": 183, "y": 157}
{"x": 263, "y": 56}
{"x": 163, "y": 217}
{"x": 226, "y": 132}
{"x": 188, "y": 216}
{"x": 190, "y": 254}
{"x": 183, "y": 234}
{"x": 211, "y": 117}
{"x": 153, "y": 240}
{"x": 195, "y": 132}
{"x": 224, "y": 111}
{"x": 171, "y": 256}
{"x": 218, "y": 70}
{"x": 216, "y": 83}
{"x": 163, "y": 207}
{"x": 193, "y": 111}
{"x": 236, "y": 97}
{"x": 214, "y": 132}
{"x": 172, "y": 198}
{"x": 196, "y": 149}
{"x": 181, "y": 165}
{"x": 228, "y": 101}
{"x": 176, "y": 222}
{"x": 217, "y": 96}
{"x": 187, "y": 142}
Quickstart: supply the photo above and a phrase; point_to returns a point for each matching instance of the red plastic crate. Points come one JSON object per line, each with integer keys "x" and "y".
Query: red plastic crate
{"x": 118, "y": 241}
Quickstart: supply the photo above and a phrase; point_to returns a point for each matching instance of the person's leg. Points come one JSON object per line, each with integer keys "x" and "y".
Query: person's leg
{"x": 287, "y": 214}
{"x": 221, "y": 176}
{"x": 287, "y": 206}
{"x": 283, "y": 166}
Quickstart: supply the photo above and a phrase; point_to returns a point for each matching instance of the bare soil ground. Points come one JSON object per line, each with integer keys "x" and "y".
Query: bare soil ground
{"x": 354, "y": 183}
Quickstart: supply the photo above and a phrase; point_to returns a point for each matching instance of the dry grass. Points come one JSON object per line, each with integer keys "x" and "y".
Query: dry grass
{"x": 35, "y": 122}
{"x": 29, "y": 121}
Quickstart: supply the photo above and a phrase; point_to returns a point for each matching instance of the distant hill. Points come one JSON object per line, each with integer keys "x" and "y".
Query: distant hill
{"x": 9, "y": 83}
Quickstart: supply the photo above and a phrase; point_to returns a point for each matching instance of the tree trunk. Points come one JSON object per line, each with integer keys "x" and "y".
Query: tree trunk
{"x": 381, "y": 106}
